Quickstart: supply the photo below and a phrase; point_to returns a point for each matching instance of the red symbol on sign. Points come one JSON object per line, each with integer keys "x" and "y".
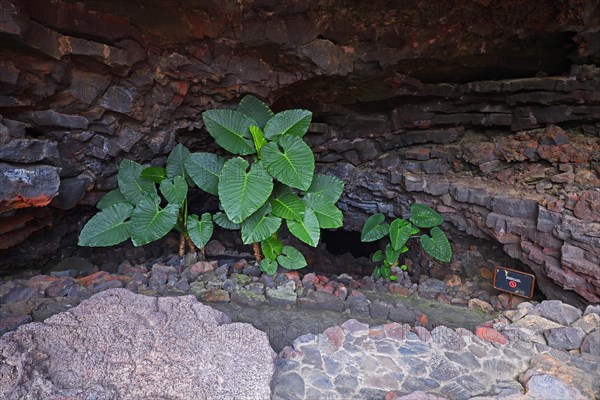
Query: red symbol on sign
{"x": 512, "y": 284}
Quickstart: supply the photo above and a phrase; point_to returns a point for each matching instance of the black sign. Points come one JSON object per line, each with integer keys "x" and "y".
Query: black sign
{"x": 515, "y": 282}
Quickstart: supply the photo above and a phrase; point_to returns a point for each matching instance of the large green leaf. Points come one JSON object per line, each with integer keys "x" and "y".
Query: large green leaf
{"x": 291, "y": 258}
{"x": 176, "y": 161}
{"x": 294, "y": 166}
{"x": 204, "y": 169}
{"x": 269, "y": 267}
{"x": 223, "y": 221}
{"x": 374, "y": 228}
{"x": 200, "y": 230}
{"x": 271, "y": 247}
{"x": 108, "y": 227}
{"x": 255, "y": 109}
{"x": 306, "y": 230}
{"x": 327, "y": 213}
{"x": 286, "y": 204}
{"x": 288, "y": 122}
{"x": 110, "y": 198}
{"x": 327, "y": 186}
{"x": 400, "y": 231}
{"x": 424, "y": 216}
{"x": 258, "y": 137}
{"x": 241, "y": 192}
{"x": 154, "y": 174}
{"x": 260, "y": 225}
{"x": 149, "y": 222}
{"x": 131, "y": 184}
{"x": 437, "y": 246}
{"x": 231, "y": 130}
{"x": 175, "y": 190}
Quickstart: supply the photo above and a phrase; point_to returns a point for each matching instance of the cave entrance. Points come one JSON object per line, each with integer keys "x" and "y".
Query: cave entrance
{"x": 340, "y": 242}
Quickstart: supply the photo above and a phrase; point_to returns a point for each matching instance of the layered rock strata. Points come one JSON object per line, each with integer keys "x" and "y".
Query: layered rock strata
{"x": 424, "y": 103}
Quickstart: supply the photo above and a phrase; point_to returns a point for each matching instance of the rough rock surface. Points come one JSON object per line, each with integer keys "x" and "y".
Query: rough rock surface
{"x": 121, "y": 345}
{"x": 394, "y": 361}
{"x": 392, "y": 120}
{"x": 356, "y": 360}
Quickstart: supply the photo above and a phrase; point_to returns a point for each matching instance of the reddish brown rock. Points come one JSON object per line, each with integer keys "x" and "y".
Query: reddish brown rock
{"x": 490, "y": 335}
{"x": 202, "y": 267}
{"x": 554, "y": 135}
{"x": 216, "y": 296}
{"x": 397, "y": 288}
{"x": 335, "y": 335}
{"x": 503, "y": 298}
{"x": 588, "y": 206}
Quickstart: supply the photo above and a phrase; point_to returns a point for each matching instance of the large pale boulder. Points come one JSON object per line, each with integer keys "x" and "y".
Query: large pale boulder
{"x": 119, "y": 345}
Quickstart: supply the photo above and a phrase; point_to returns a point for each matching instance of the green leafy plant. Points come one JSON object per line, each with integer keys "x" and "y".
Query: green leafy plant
{"x": 149, "y": 203}
{"x": 399, "y": 232}
{"x": 275, "y": 184}
{"x": 270, "y": 181}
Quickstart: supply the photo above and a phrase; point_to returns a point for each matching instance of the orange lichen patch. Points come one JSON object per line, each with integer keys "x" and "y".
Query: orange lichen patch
{"x": 93, "y": 278}
{"x": 422, "y": 320}
{"x": 99, "y": 277}
{"x": 21, "y": 202}
{"x": 490, "y": 335}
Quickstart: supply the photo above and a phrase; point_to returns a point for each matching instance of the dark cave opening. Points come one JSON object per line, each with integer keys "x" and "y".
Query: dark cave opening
{"x": 340, "y": 242}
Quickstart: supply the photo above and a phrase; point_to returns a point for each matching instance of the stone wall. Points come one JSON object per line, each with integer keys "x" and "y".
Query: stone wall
{"x": 487, "y": 110}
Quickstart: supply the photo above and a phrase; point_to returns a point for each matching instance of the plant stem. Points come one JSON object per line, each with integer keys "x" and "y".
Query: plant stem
{"x": 190, "y": 244}
{"x": 257, "y": 253}
{"x": 185, "y": 213}
{"x": 181, "y": 245}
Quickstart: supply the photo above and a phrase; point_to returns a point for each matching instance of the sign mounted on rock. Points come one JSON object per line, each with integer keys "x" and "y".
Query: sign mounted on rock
{"x": 514, "y": 282}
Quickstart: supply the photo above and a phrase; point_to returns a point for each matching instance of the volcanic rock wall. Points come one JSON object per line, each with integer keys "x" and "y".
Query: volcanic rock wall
{"x": 487, "y": 110}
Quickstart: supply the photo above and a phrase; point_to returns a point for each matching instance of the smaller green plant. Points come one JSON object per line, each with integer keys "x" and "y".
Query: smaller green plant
{"x": 400, "y": 231}
{"x": 148, "y": 204}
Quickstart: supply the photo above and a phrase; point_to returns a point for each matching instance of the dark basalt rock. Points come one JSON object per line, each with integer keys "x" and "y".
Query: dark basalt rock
{"x": 27, "y": 186}
{"x": 501, "y": 137}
